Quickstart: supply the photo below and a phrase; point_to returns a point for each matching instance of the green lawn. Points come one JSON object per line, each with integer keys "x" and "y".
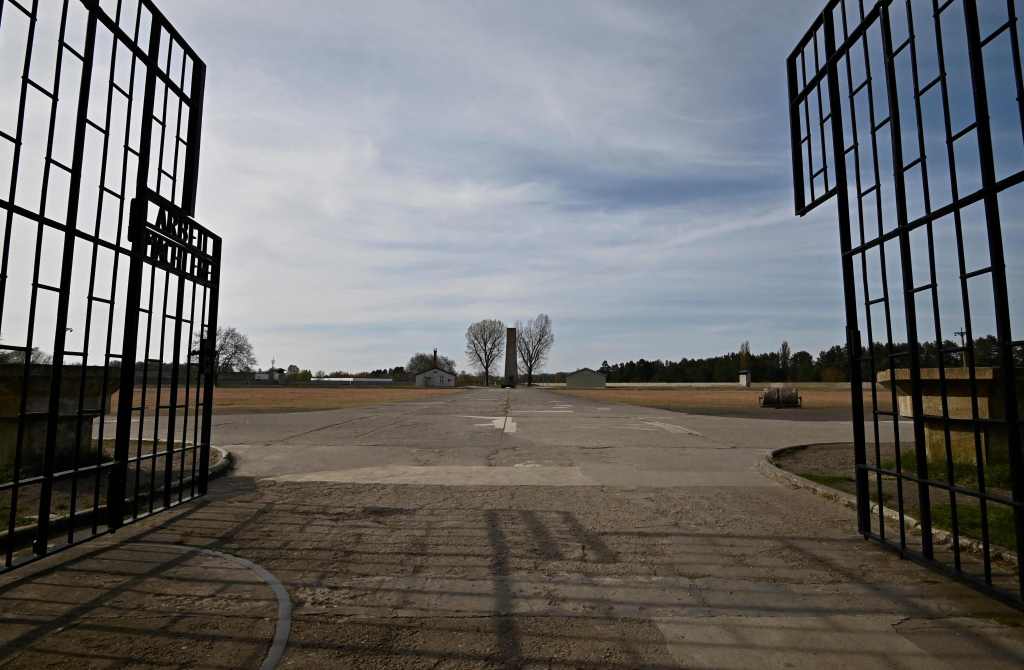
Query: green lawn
{"x": 997, "y": 480}
{"x": 997, "y": 475}
{"x": 1000, "y": 521}
{"x": 965, "y": 475}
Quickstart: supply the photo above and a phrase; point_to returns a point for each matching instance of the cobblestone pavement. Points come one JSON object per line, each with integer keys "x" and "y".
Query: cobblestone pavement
{"x": 502, "y": 529}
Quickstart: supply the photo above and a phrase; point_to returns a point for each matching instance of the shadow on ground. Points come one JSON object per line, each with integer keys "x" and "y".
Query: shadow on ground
{"x": 137, "y": 603}
{"x": 514, "y": 577}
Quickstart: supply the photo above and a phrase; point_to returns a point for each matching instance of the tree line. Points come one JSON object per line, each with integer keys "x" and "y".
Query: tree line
{"x": 485, "y": 347}
{"x": 784, "y": 365}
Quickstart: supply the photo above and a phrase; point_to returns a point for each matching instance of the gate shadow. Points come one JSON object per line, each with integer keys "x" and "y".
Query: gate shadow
{"x": 479, "y": 582}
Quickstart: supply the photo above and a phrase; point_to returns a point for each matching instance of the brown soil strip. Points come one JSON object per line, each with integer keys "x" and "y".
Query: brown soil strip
{"x": 282, "y": 399}
{"x": 832, "y": 404}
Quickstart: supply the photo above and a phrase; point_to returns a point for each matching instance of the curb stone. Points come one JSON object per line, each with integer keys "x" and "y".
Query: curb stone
{"x": 768, "y": 467}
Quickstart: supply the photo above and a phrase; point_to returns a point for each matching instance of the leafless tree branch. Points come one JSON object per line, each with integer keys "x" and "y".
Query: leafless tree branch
{"x": 535, "y": 341}
{"x": 485, "y": 344}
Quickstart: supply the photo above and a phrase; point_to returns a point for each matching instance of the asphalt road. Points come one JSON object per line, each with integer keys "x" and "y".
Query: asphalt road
{"x": 512, "y": 529}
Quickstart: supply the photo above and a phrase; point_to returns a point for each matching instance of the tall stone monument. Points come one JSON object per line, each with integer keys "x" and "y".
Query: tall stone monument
{"x": 511, "y": 357}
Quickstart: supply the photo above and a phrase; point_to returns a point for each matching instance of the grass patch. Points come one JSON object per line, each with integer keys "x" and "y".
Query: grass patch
{"x": 832, "y": 465}
{"x": 1001, "y": 530}
{"x": 1000, "y": 521}
{"x": 997, "y": 475}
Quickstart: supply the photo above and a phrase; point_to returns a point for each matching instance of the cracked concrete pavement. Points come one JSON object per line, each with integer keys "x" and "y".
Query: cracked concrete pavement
{"x": 436, "y": 535}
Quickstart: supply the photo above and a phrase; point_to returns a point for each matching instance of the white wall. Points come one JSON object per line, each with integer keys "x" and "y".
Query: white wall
{"x": 435, "y": 378}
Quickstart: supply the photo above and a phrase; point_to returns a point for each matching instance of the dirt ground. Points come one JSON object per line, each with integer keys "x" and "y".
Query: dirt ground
{"x": 257, "y": 399}
{"x": 831, "y": 403}
{"x": 830, "y": 464}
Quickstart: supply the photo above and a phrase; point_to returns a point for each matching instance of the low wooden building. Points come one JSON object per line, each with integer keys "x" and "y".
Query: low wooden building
{"x": 436, "y": 377}
{"x": 586, "y": 379}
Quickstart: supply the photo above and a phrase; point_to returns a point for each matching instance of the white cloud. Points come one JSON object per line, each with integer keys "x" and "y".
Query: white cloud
{"x": 385, "y": 173}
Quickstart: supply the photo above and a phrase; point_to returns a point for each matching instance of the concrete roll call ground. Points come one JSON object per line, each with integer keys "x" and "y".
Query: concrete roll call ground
{"x": 507, "y": 529}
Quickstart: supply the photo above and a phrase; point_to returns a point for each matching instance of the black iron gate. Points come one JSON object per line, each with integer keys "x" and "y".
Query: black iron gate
{"x": 911, "y": 114}
{"x": 108, "y": 287}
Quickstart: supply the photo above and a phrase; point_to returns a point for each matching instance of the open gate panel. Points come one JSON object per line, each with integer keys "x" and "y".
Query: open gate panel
{"x": 108, "y": 287}
{"x": 910, "y": 115}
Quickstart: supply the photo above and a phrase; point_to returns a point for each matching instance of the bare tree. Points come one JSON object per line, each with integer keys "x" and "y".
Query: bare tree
{"x": 535, "y": 341}
{"x": 36, "y": 357}
{"x": 745, "y": 355}
{"x": 485, "y": 344}
{"x": 233, "y": 353}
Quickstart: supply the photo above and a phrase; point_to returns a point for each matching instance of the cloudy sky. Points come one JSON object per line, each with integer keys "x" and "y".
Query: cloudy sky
{"x": 385, "y": 173}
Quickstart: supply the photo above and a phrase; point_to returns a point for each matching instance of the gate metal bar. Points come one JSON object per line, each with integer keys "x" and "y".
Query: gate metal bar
{"x": 121, "y": 205}
{"x": 835, "y": 82}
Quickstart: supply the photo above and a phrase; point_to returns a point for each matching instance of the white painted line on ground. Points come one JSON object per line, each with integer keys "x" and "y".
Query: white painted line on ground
{"x": 284, "y": 604}
{"x": 502, "y": 423}
{"x": 672, "y": 428}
